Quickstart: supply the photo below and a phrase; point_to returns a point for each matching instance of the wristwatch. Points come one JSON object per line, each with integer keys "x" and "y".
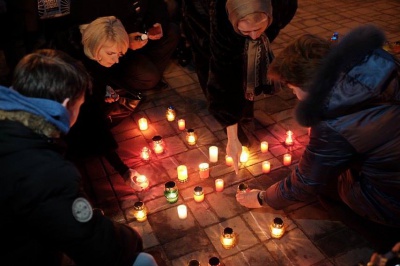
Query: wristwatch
{"x": 260, "y": 197}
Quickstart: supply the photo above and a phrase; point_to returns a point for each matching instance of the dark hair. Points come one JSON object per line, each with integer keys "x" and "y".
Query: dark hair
{"x": 51, "y": 74}
{"x": 299, "y": 61}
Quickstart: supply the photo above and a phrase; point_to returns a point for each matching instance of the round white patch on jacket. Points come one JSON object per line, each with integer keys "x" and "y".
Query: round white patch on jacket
{"x": 82, "y": 210}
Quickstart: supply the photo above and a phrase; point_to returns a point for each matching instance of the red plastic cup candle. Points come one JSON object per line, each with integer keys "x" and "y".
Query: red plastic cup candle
{"x": 228, "y": 160}
{"x": 264, "y": 146}
{"x": 198, "y": 194}
{"x": 219, "y": 185}
{"x": 143, "y": 124}
{"x": 204, "y": 170}
{"x": 287, "y": 159}
{"x": 182, "y": 211}
{"x": 266, "y": 167}
{"x": 142, "y": 181}
{"x": 289, "y": 138}
{"x": 213, "y": 153}
{"x": 182, "y": 173}
{"x": 244, "y": 156}
{"x": 181, "y": 124}
{"x": 145, "y": 154}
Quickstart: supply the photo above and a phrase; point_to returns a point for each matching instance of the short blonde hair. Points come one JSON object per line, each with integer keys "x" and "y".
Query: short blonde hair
{"x": 100, "y": 31}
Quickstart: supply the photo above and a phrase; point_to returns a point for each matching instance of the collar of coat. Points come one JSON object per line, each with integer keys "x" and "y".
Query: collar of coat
{"x": 343, "y": 56}
{"x": 36, "y": 123}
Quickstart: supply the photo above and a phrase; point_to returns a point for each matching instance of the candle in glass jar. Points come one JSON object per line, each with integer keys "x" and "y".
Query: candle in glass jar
{"x": 181, "y": 124}
{"x": 198, "y": 194}
{"x": 287, "y": 159}
{"x": 228, "y": 160}
{"x": 244, "y": 156}
{"x": 213, "y": 153}
{"x": 140, "y": 211}
{"x": 158, "y": 145}
{"x": 289, "y": 138}
{"x": 182, "y": 173}
{"x": 266, "y": 167}
{"x": 170, "y": 114}
{"x": 264, "y": 146}
{"x": 219, "y": 185}
{"x": 228, "y": 238}
{"x": 143, "y": 124}
{"x": 277, "y": 228}
{"x": 204, "y": 170}
{"x": 182, "y": 211}
{"x": 145, "y": 154}
{"x": 142, "y": 181}
{"x": 171, "y": 192}
{"x": 191, "y": 136}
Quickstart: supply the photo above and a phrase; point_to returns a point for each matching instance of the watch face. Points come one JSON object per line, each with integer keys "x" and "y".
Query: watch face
{"x": 82, "y": 210}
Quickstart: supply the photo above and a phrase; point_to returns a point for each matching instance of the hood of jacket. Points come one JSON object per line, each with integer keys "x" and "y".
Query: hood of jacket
{"x": 356, "y": 74}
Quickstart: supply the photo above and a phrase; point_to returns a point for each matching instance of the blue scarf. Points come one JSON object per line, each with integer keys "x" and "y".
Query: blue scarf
{"x": 53, "y": 112}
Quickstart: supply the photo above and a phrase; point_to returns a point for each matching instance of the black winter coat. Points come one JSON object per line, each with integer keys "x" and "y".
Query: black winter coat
{"x": 37, "y": 190}
{"x": 354, "y": 113}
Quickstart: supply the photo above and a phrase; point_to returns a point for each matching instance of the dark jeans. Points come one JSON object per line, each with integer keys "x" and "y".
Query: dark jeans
{"x": 142, "y": 69}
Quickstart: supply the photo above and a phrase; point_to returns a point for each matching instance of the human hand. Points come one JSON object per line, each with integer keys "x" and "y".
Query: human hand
{"x": 137, "y": 40}
{"x": 249, "y": 199}
{"x": 130, "y": 177}
{"x": 155, "y": 32}
{"x": 383, "y": 259}
{"x": 234, "y": 149}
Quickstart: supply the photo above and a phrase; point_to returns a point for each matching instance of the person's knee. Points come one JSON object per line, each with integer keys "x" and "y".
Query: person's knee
{"x": 145, "y": 259}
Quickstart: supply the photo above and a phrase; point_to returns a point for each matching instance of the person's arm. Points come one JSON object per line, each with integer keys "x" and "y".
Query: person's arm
{"x": 233, "y": 147}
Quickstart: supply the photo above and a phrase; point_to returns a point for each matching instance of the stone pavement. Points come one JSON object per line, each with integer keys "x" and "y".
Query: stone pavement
{"x": 311, "y": 237}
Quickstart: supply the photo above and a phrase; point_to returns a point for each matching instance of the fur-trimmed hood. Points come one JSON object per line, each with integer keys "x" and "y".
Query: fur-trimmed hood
{"x": 354, "y": 75}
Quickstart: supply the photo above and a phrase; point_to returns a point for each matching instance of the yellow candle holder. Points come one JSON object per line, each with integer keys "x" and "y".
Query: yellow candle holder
{"x": 198, "y": 194}
{"x": 228, "y": 238}
{"x": 277, "y": 228}
{"x": 140, "y": 211}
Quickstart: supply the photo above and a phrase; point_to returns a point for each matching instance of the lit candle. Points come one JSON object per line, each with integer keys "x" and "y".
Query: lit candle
{"x": 140, "y": 211}
{"x": 244, "y": 156}
{"x": 289, "y": 138}
{"x": 158, "y": 145}
{"x": 170, "y": 114}
{"x": 219, "y": 185}
{"x": 198, "y": 194}
{"x": 213, "y": 261}
{"x": 277, "y": 228}
{"x": 213, "y": 153}
{"x": 182, "y": 173}
{"x": 264, "y": 146}
{"x": 145, "y": 154}
{"x": 181, "y": 124}
{"x": 243, "y": 188}
{"x": 204, "y": 170}
{"x": 182, "y": 211}
{"x": 287, "y": 159}
{"x": 171, "y": 192}
{"x": 143, "y": 124}
{"x": 142, "y": 181}
{"x": 228, "y": 160}
{"x": 266, "y": 167}
{"x": 228, "y": 238}
{"x": 194, "y": 263}
{"x": 191, "y": 137}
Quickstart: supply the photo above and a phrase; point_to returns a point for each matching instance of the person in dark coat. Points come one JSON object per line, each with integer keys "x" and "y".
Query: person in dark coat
{"x": 231, "y": 52}
{"x": 349, "y": 95}
{"x": 46, "y": 214}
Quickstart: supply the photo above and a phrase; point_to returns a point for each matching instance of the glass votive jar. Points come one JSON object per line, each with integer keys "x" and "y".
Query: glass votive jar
{"x": 277, "y": 228}
{"x": 219, "y": 185}
{"x": 198, "y": 194}
{"x": 143, "y": 125}
{"x": 158, "y": 144}
{"x": 182, "y": 211}
{"x": 142, "y": 181}
{"x": 289, "y": 138}
{"x": 171, "y": 192}
{"x": 194, "y": 263}
{"x": 242, "y": 188}
{"x": 244, "y": 156}
{"x": 145, "y": 154}
{"x": 228, "y": 238}
{"x": 182, "y": 173}
{"x": 140, "y": 211}
{"x": 204, "y": 170}
{"x": 214, "y": 261}
{"x": 264, "y": 146}
{"x": 191, "y": 137}
{"x": 171, "y": 113}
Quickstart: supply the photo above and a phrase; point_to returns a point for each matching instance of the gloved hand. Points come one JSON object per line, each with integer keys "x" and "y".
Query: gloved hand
{"x": 130, "y": 177}
{"x": 249, "y": 199}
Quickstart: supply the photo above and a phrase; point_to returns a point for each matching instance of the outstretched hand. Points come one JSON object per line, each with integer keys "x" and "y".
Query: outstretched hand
{"x": 155, "y": 32}
{"x": 249, "y": 199}
{"x": 136, "y": 40}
